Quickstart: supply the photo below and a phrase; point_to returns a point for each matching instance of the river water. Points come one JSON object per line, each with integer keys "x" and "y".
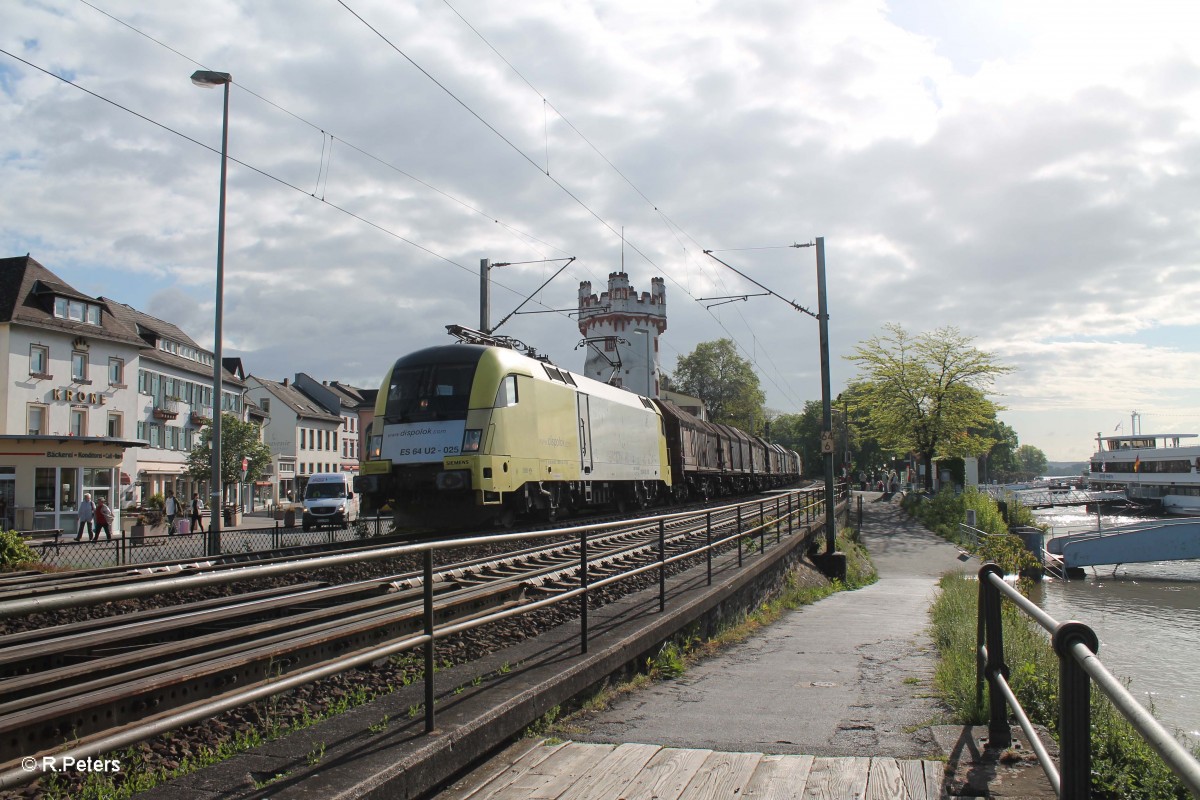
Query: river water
{"x": 1147, "y": 617}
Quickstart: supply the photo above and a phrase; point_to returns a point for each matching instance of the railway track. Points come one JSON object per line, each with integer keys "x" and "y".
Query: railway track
{"x": 97, "y": 684}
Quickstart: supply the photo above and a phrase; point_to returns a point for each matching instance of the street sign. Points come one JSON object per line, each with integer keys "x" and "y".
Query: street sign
{"x": 827, "y": 442}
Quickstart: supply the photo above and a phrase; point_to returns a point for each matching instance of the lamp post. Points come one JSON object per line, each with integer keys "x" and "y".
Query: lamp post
{"x": 207, "y": 79}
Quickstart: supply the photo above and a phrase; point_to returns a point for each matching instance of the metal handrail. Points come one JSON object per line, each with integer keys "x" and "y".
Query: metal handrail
{"x": 1077, "y": 646}
{"x": 809, "y": 504}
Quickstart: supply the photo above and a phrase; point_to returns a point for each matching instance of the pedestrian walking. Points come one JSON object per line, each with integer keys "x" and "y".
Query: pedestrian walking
{"x": 86, "y": 512}
{"x": 197, "y": 520}
{"x": 104, "y": 519}
{"x": 171, "y": 506}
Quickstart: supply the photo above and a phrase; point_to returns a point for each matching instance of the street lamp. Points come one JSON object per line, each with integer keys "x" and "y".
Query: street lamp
{"x": 207, "y": 79}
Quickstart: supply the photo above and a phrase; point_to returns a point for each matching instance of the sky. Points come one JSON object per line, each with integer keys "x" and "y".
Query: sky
{"x": 1024, "y": 171}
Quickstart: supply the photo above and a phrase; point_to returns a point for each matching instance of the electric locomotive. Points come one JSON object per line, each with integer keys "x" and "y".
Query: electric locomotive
{"x": 470, "y": 433}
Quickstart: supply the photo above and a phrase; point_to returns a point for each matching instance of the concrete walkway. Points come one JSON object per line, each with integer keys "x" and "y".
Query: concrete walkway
{"x": 850, "y": 675}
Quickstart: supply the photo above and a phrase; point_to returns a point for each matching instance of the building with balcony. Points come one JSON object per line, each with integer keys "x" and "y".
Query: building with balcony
{"x": 172, "y": 403}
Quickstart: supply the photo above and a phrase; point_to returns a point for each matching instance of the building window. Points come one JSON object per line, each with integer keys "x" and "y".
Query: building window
{"x": 302, "y": 439}
{"x": 116, "y": 372}
{"x": 78, "y": 422}
{"x": 266, "y": 404}
{"x": 114, "y": 425}
{"x": 39, "y": 359}
{"x": 79, "y": 366}
{"x": 76, "y": 311}
{"x": 37, "y": 419}
{"x": 155, "y": 432}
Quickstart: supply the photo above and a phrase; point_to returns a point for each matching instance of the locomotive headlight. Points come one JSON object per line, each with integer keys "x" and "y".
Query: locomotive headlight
{"x": 471, "y": 441}
{"x": 375, "y": 450}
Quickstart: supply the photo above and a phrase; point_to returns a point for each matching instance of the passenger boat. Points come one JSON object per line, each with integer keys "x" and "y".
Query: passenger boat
{"x": 1152, "y": 469}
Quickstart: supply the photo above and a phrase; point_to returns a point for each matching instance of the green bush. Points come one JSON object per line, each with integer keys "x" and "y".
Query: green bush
{"x": 15, "y": 552}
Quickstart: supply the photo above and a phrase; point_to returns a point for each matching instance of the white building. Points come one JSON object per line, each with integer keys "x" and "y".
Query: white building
{"x": 349, "y": 403}
{"x": 172, "y": 403}
{"x": 67, "y": 414}
{"x": 623, "y": 330}
{"x": 304, "y": 438}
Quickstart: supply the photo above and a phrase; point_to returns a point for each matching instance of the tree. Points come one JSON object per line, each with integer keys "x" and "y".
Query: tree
{"x": 238, "y": 440}
{"x": 802, "y": 433}
{"x": 725, "y": 381}
{"x": 1032, "y": 461}
{"x": 1001, "y": 463}
{"x": 927, "y": 393}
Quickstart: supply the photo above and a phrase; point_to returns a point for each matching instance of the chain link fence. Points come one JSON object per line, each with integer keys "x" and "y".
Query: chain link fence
{"x": 60, "y": 551}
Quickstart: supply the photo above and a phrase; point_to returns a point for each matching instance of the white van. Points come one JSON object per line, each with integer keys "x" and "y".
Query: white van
{"x": 329, "y": 500}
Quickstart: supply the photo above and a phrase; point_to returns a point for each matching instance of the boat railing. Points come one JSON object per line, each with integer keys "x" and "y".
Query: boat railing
{"x": 1076, "y": 646}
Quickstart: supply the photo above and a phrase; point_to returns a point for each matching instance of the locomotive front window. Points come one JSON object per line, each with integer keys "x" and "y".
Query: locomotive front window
{"x": 429, "y": 392}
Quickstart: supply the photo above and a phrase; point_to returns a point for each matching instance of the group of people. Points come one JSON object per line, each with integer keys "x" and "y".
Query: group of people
{"x": 98, "y": 513}
{"x": 97, "y": 517}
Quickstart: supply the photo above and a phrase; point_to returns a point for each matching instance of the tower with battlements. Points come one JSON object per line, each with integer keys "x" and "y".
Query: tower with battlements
{"x": 623, "y": 329}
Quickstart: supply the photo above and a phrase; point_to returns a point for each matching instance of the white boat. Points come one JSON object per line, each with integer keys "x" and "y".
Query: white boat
{"x": 1152, "y": 469}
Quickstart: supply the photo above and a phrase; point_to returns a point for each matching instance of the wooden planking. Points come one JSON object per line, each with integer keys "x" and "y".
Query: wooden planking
{"x": 779, "y": 778}
{"x": 608, "y": 776}
{"x": 722, "y": 775}
{"x": 913, "y": 773}
{"x": 666, "y": 775}
{"x": 838, "y": 779}
{"x": 553, "y": 775}
{"x": 485, "y": 785}
{"x": 935, "y": 776}
{"x": 885, "y": 781}
{"x": 575, "y": 771}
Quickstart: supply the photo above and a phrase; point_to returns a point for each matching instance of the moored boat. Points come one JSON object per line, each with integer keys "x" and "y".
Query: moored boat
{"x": 1151, "y": 468}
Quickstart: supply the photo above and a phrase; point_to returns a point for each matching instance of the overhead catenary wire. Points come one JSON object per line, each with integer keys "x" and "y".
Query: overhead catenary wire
{"x": 326, "y": 157}
{"x": 528, "y": 159}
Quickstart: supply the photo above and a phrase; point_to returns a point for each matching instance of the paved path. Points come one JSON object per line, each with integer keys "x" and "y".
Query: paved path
{"x": 850, "y": 675}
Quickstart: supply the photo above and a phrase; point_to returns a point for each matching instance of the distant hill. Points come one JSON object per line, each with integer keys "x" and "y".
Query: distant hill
{"x": 1061, "y": 468}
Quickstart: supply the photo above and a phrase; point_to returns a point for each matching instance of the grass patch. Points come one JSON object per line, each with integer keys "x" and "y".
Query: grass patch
{"x": 1123, "y": 765}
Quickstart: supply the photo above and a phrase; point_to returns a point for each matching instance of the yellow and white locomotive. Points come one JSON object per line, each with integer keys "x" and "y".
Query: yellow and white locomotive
{"x": 470, "y": 433}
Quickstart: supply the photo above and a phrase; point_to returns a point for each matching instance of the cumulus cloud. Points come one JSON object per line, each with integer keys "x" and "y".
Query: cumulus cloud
{"x": 1022, "y": 171}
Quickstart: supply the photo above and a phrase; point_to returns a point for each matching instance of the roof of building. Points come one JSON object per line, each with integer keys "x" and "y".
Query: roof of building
{"x": 27, "y": 292}
{"x": 296, "y": 400}
{"x": 151, "y": 329}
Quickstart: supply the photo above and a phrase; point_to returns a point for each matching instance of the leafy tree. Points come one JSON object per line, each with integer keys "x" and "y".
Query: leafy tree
{"x": 802, "y": 433}
{"x": 1000, "y": 463}
{"x": 725, "y": 381}
{"x": 927, "y": 393}
{"x": 238, "y": 440}
{"x": 1032, "y": 461}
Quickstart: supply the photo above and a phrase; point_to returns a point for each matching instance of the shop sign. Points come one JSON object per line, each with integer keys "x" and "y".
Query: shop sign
{"x": 72, "y": 396}
{"x": 88, "y": 455}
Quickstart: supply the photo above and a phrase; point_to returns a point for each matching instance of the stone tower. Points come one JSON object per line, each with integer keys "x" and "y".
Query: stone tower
{"x": 636, "y": 321}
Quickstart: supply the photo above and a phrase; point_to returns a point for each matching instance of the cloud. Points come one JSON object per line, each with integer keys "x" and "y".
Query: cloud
{"x": 1023, "y": 172}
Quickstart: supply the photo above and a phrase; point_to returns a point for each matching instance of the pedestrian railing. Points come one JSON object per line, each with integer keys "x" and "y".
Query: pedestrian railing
{"x": 61, "y": 551}
{"x": 1076, "y": 646}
